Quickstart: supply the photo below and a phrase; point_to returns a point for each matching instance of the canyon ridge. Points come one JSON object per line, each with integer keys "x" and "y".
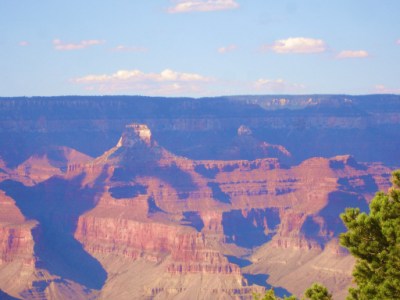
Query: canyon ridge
{"x": 124, "y": 197}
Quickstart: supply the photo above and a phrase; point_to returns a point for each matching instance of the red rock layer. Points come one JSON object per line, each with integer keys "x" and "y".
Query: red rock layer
{"x": 153, "y": 241}
{"x": 234, "y": 206}
{"x": 16, "y": 242}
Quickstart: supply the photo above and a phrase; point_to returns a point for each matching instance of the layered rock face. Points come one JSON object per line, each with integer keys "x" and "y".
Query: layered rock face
{"x": 203, "y": 219}
{"x": 16, "y": 241}
{"x": 140, "y": 221}
{"x": 17, "y": 262}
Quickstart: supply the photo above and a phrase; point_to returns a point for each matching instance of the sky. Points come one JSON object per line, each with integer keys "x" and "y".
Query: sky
{"x": 199, "y": 48}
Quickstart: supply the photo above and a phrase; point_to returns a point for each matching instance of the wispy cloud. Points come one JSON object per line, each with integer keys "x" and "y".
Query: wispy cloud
{"x": 122, "y": 48}
{"x": 227, "y": 49}
{"x": 398, "y": 42}
{"x": 382, "y": 89}
{"x": 297, "y": 45}
{"x": 166, "y": 82}
{"x": 184, "y": 6}
{"x": 63, "y": 46}
{"x": 23, "y": 43}
{"x": 277, "y": 85}
{"x": 352, "y": 54}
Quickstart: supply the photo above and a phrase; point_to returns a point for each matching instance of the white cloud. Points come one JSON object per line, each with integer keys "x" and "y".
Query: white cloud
{"x": 184, "y": 6}
{"x": 137, "y": 75}
{"x": 62, "y": 46}
{"x": 166, "y": 82}
{"x": 277, "y": 85}
{"x": 297, "y": 45}
{"x": 23, "y": 43}
{"x": 122, "y": 48}
{"x": 227, "y": 49}
{"x": 382, "y": 89}
{"x": 353, "y": 54}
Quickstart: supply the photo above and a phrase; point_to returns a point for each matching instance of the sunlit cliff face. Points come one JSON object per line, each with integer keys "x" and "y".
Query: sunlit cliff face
{"x": 133, "y": 132}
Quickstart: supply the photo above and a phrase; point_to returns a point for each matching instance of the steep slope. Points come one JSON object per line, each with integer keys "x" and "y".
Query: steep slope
{"x": 16, "y": 247}
{"x": 53, "y": 161}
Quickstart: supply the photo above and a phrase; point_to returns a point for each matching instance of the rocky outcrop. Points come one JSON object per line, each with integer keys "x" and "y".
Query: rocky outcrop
{"x": 17, "y": 260}
{"x": 16, "y": 242}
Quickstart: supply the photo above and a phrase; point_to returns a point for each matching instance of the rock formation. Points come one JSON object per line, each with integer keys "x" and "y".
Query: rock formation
{"x": 140, "y": 221}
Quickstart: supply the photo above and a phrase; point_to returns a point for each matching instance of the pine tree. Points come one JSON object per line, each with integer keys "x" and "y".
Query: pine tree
{"x": 317, "y": 292}
{"x": 374, "y": 239}
{"x": 270, "y": 295}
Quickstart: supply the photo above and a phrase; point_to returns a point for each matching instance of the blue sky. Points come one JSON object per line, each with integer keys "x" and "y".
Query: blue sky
{"x": 199, "y": 47}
